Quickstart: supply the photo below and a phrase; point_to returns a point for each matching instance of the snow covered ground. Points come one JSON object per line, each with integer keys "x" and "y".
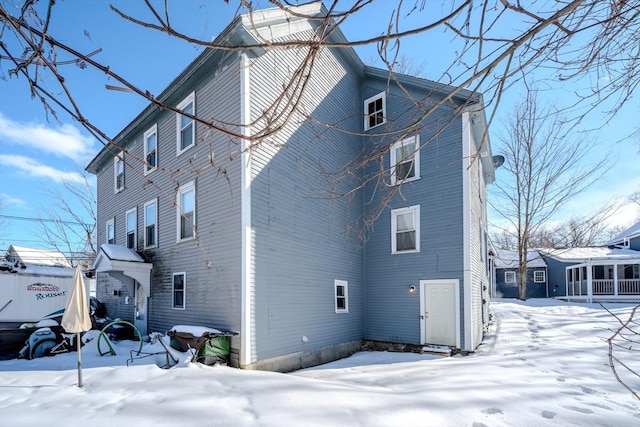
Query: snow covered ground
{"x": 543, "y": 363}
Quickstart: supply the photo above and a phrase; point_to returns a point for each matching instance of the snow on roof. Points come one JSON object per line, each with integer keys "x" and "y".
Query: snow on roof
{"x": 120, "y": 253}
{"x": 632, "y": 231}
{"x": 36, "y": 256}
{"x": 509, "y": 259}
{"x": 583, "y": 254}
{"x": 40, "y": 270}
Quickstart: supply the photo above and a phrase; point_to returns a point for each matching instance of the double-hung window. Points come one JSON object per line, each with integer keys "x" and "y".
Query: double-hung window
{"x": 186, "y": 128}
{"x": 111, "y": 231}
{"x": 405, "y": 230}
{"x": 131, "y": 220}
{"x": 405, "y": 160}
{"x": 509, "y": 277}
{"x": 151, "y": 149}
{"x": 118, "y": 172}
{"x": 179, "y": 285}
{"x": 186, "y": 211}
{"x": 539, "y": 276}
{"x": 341, "y": 288}
{"x": 151, "y": 224}
{"x": 375, "y": 111}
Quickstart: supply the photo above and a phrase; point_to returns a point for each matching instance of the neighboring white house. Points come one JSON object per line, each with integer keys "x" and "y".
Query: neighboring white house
{"x": 34, "y": 256}
{"x": 594, "y": 273}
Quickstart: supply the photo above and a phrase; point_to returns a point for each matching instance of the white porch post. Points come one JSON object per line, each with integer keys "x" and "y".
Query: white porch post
{"x": 589, "y": 282}
{"x": 615, "y": 278}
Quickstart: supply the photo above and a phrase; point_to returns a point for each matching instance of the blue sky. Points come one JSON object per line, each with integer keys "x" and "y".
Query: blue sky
{"x": 37, "y": 153}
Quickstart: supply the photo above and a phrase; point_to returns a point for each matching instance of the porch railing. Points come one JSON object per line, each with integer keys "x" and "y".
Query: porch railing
{"x": 606, "y": 287}
{"x": 628, "y": 286}
{"x": 602, "y": 286}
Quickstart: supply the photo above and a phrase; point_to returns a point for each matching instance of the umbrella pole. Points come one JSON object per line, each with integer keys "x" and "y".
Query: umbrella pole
{"x": 78, "y": 347}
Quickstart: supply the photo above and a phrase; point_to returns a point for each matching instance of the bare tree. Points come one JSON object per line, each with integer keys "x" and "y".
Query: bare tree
{"x": 586, "y": 230}
{"x": 70, "y": 227}
{"x": 543, "y": 170}
{"x": 624, "y": 345}
{"x": 577, "y": 38}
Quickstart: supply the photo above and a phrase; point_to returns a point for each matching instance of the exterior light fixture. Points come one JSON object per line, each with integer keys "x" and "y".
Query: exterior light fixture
{"x": 412, "y": 289}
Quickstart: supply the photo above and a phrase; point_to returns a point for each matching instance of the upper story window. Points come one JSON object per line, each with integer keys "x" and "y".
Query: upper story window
{"x": 186, "y": 128}
{"x": 111, "y": 231}
{"x": 179, "y": 284}
{"x": 509, "y": 277}
{"x": 131, "y": 220}
{"x": 186, "y": 211}
{"x": 341, "y": 288}
{"x": 405, "y": 230}
{"x": 118, "y": 172}
{"x": 539, "y": 276}
{"x": 151, "y": 149}
{"x": 151, "y": 224}
{"x": 405, "y": 160}
{"x": 375, "y": 111}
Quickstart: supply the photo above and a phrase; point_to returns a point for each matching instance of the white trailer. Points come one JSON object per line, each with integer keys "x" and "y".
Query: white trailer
{"x": 29, "y": 293}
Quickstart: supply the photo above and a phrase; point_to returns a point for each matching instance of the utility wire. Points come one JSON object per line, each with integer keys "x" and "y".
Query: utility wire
{"x": 24, "y": 218}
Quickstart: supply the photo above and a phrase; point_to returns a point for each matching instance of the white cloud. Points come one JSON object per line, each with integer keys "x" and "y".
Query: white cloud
{"x": 13, "y": 201}
{"x": 36, "y": 169}
{"x": 63, "y": 141}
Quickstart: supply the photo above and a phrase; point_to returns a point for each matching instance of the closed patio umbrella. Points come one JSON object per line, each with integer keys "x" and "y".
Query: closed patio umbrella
{"x": 76, "y": 318}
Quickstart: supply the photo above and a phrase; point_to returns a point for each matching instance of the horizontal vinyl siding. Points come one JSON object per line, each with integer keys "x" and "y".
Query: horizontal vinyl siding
{"x": 392, "y": 313}
{"x": 301, "y": 241}
{"x": 211, "y": 262}
{"x": 534, "y": 290}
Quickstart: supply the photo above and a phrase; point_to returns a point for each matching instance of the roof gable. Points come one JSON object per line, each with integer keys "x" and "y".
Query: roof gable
{"x": 34, "y": 256}
{"x": 505, "y": 258}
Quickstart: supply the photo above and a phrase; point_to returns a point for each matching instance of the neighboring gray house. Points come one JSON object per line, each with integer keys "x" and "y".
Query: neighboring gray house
{"x": 628, "y": 239}
{"x": 296, "y": 240}
{"x": 505, "y": 283}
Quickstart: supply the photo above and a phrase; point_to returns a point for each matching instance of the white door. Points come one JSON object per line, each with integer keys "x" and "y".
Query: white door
{"x": 141, "y": 309}
{"x": 438, "y": 316}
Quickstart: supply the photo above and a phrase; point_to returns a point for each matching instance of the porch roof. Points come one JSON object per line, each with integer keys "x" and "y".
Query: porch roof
{"x": 125, "y": 265}
{"x": 593, "y": 254}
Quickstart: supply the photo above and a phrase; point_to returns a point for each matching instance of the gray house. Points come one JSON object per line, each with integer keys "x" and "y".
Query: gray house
{"x": 307, "y": 222}
{"x": 505, "y": 283}
{"x": 627, "y": 239}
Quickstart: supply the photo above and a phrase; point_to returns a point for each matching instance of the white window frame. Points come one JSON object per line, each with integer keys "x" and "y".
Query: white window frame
{"x": 118, "y": 161}
{"x": 147, "y": 165}
{"x": 393, "y": 159}
{"x": 535, "y": 276}
{"x": 153, "y": 202}
{"x": 337, "y": 284}
{"x": 190, "y": 186}
{"x": 191, "y": 99}
{"x": 184, "y": 291}
{"x": 383, "y": 96}
{"x": 133, "y": 211}
{"x": 509, "y": 276}
{"x": 111, "y": 224}
{"x": 395, "y": 213}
